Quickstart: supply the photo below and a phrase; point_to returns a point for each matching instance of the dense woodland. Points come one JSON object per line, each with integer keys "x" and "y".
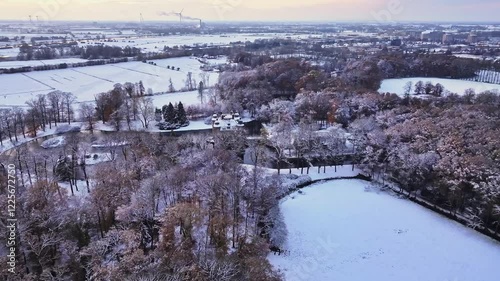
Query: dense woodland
{"x": 442, "y": 149}
{"x": 179, "y": 208}
{"x": 162, "y": 210}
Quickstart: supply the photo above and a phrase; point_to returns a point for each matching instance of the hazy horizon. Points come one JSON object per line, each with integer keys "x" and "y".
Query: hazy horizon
{"x": 254, "y": 11}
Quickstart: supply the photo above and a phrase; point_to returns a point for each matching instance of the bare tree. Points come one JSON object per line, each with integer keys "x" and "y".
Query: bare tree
{"x": 55, "y": 101}
{"x": 68, "y": 99}
{"x": 88, "y": 113}
{"x": 146, "y": 111}
{"x": 189, "y": 81}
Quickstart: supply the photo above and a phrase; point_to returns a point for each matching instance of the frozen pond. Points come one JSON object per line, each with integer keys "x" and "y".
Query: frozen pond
{"x": 339, "y": 230}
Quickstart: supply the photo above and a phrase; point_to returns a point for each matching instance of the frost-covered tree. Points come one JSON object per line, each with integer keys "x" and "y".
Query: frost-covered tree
{"x": 277, "y": 229}
{"x": 146, "y": 111}
{"x": 171, "y": 87}
{"x": 88, "y": 114}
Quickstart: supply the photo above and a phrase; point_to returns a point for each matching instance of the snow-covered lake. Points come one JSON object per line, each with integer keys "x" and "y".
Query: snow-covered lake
{"x": 340, "y": 231}
{"x": 86, "y": 82}
{"x": 455, "y": 86}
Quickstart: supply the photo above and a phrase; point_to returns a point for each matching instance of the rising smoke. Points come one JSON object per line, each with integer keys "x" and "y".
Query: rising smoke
{"x": 177, "y": 14}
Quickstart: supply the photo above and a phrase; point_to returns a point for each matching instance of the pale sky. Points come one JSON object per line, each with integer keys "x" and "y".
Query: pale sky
{"x": 255, "y": 10}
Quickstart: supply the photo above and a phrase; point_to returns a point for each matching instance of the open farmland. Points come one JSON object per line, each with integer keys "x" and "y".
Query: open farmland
{"x": 7, "y": 53}
{"x": 86, "y": 82}
{"x": 187, "y": 98}
{"x": 156, "y": 43}
{"x": 453, "y": 85}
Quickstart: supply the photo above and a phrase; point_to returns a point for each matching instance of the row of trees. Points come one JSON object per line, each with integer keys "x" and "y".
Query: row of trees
{"x": 124, "y": 103}
{"x": 107, "y": 52}
{"x": 422, "y": 88}
{"x": 54, "y": 66}
{"x": 41, "y": 113}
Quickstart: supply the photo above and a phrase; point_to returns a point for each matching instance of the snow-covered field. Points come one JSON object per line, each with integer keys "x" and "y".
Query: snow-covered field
{"x": 15, "y": 64}
{"x": 455, "y": 86}
{"x": 476, "y": 57}
{"x": 157, "y": 43}
{"x": 86, "y": 82}
{"x": 487, "y": 76}
{"x": 187, "y": 98}
{"x": 342, "y": 230}
{"x": 9, "y": 53}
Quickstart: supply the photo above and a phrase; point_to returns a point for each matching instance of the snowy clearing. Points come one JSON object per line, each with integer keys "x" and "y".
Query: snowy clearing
{"x": 80, "y": 193}
{"x": 86, "y": 82}
{"x": 455, "y": 86}
{"x": 344, "y": 230}
{"x": 97, "y": 158}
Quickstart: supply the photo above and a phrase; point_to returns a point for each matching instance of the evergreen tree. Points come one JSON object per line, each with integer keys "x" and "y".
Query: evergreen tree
{"x": 158, "y": 114}
{"x": 170, "y": 114}
{"x": 171, "y": 88}
{"x": 181, "y": 114}
{"x": 164, "y": 110}
{"x": 142, "y": 90}
{"x": 201, "y": 88}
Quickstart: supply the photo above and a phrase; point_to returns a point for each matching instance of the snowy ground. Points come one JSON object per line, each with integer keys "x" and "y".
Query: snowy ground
{"x": 342, "y": 230}
{"x": 452, "y": 85}
{"x": 82, "y": 188}
{"x": 97, "y": 158}
{"x": 86, "y": 82}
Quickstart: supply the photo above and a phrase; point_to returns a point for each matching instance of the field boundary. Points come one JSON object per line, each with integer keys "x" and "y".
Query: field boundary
{"x": 97, "y": 77}
{"x": 36, "y": 80}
